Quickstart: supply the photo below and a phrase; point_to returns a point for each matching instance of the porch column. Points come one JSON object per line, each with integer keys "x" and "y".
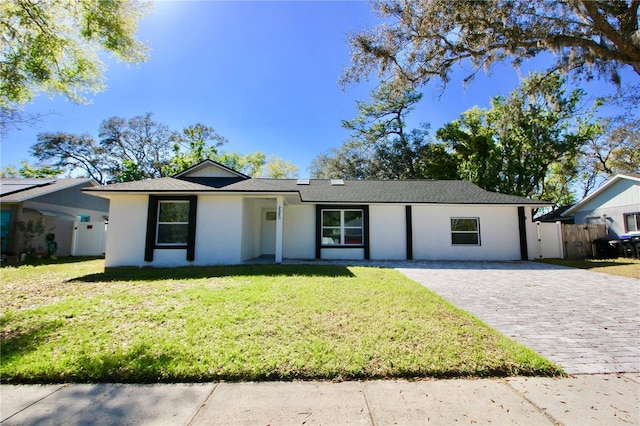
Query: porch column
{"x": 279, "y": 222}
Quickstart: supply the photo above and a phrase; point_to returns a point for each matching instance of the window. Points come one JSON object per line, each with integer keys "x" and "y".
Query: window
{"x": 342, "y": 227}
{"x": 632, "y": 222}
{"x": 84, "y": 218}
{"x": 465, "y": 231}
{"x": 173, "y": 222}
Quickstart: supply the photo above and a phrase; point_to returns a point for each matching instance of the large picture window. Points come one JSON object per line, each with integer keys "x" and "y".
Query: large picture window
{"x": 631, "y": 222}
{"x": 465, "y": 231}
{"x": 173, "y": 222}
{"x": 342, "y": 227}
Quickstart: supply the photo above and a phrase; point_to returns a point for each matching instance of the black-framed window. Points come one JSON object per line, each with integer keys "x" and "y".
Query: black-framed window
{"x": 632, "y": 222}
{"x": 465, "y": 231}
{"x": 171, "y": 224}
{"x": 342, "y": 227}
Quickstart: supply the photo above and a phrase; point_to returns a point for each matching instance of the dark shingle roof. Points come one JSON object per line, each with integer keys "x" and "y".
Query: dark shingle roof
{"x": 322, "y": 191}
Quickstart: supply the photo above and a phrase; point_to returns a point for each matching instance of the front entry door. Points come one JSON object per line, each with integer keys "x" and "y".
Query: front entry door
{"x": 268, "y": 232}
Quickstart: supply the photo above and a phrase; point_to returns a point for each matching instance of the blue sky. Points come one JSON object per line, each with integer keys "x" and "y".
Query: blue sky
{"x": 263, "y": 74}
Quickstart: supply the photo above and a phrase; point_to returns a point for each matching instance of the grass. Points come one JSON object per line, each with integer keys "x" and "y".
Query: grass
{"x": 624, "y": 267}
{"x": 76, "y": 322}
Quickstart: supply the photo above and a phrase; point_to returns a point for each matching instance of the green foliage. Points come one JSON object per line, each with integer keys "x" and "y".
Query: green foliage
{"x": 277, "y": 168}
{"x": 53, "y": 46}
{"x": 614, "y": 145}
{"x": 29, "y": 171}
{"x": 142, "y": 148}
{"x": 381, "y": 147}
{"x": 78, "y": 323}
{"x": 194, "y": 144}
{"x": 248, "y": 164}
{"x": 29, "y": 230}
{"x": 526, "y": 144}
{"x": 425, "y": 40}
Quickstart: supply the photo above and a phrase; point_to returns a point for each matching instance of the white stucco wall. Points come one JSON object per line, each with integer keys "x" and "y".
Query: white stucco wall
{"x": 499, "y": 235}
{"x": 387, "y": 232}
{"x": 299, "y": 241}
{"x": 342, "y": 253}
{"x": 127, "y": 231}
{"x": 218, "y": 230}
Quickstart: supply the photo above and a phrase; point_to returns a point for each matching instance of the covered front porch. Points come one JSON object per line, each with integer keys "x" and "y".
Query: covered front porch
{"x": 262, "y": 229}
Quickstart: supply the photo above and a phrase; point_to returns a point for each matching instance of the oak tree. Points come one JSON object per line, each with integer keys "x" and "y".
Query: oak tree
{"x": 424, "y": 40}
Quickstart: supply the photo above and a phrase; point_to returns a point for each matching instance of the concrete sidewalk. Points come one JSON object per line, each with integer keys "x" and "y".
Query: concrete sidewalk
{"x": 583, "y": 400}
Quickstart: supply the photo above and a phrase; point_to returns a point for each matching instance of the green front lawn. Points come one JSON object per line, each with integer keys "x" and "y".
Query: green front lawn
{"x": 75, "y": 322}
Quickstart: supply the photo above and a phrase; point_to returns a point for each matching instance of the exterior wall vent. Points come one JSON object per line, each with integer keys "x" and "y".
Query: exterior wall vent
{"x": 337, "y": 182}
{"x": 302, "y": 182}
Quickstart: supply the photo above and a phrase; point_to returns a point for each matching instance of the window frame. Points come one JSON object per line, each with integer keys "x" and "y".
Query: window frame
{"x": 343, "y": 227}
{"x": 476, "y": 232}
{"x": 365, "y": 229}
{"x": 626, "y": 216}
{"x": 152, "y": 226}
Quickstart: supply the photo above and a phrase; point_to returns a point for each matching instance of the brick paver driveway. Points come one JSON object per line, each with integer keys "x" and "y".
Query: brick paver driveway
{"x": 586, "y": 322}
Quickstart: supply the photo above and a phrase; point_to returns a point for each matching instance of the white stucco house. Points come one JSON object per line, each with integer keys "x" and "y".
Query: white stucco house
{"x": 615, "y": 204}
{"x": 210, "y": 214}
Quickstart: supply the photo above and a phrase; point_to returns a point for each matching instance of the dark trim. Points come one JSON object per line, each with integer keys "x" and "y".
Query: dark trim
{"x": 152, "y": 216}
{"x": 409, "y": 232}
{"x": 522, "y": 228}
{"x": 191, "y": 236}
{"x": 365, "y": 228}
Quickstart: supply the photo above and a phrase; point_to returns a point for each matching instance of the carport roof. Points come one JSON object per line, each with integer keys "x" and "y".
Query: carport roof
{"x": 326, "y": 192}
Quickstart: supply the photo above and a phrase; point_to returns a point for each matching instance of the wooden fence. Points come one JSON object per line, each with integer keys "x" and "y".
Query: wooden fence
{"x": 578, "y": 239}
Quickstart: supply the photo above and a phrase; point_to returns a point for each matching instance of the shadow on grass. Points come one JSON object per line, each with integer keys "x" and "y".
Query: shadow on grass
{"x": 16, "y": 342}
{"x": 50, "y": 261}
{"x": 199, "y": 272}
{"x": 588, "y": 263}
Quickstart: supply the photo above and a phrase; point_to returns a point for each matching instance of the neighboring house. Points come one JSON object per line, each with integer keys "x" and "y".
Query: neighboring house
{"x": 615, "y": 204}
{"x": 210, "y": 214}
{"x": 55, "y": 203}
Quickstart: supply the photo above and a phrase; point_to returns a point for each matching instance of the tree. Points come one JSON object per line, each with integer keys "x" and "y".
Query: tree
{"x": 137, "y": 148}
{"x": 192, "y": 146}
{"x": 69, "y": 152}
{"x": 423, "y": 40}
{"x": 614, "y": 146}
{"x": 277, "y": 168}
{"x": 29, "y": 171}
{"x": 53, "y": 46}
{"x": 526, "y": 144}
{"x": 381, "y": 146}
{"x": 248, "y": 164}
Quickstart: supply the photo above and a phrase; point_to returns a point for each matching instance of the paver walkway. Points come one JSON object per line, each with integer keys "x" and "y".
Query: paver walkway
{"x": 586, "y": 322}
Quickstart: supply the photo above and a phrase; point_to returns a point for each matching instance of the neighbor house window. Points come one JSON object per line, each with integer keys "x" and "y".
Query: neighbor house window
{"x": 173, "y": 222}
{"x": 84, "y": 218}
{"x": 632, "y": 222}
{"x": 342, "y": 227}
{"x": 465, "y": 231}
